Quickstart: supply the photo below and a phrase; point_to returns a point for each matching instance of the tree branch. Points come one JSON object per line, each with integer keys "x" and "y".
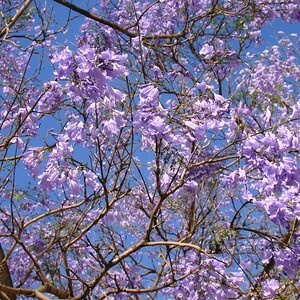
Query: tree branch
{"x": 14, "y": 19}
{"x": 96, "y": 18}
{"x": 5, "y": 277}
{"x": 47, "y": 288}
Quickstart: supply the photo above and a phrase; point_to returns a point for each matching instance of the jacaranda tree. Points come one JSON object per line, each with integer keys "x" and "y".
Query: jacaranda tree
{"x": 149, "y": 149}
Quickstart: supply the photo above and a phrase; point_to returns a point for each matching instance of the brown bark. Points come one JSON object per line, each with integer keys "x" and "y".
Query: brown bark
{"x": 5, "y": 277}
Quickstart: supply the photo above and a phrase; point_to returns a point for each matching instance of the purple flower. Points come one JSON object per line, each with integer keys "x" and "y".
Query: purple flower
{"x": 149, "y": 96}
{"x": 64, "y": 60}
{"x": 207, "y": 50}
{"x": 113, "y": 63}
{"x": 62, "y": 147}
{"x": 74, "y": 182}
{"x": 49, "y": 178}
{"x": 32, "y": 160}
{"x": 75, "y": 130}
{"x": 91, "y": 180}
{"x": 270, "y": 288}
{"x": 288, "y": 261}
{"x": 18, "y": 141}
{"x": 112, "y": 126}
{"x": 74, "y": 187}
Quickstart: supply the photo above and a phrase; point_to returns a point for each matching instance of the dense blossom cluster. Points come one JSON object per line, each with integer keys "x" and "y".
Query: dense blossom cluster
{"x": 157, "y": 155}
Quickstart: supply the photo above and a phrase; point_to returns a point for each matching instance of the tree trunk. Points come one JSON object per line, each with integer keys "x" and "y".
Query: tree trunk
{"x": 5, "y": 278}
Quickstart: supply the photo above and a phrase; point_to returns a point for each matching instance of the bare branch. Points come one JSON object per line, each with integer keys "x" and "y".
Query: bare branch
{"x": 15, "y": 18}
{"x": 97, "y": 18}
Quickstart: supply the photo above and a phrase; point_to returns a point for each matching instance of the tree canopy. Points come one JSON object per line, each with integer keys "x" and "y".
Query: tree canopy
{"x": 149, "y": 149}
